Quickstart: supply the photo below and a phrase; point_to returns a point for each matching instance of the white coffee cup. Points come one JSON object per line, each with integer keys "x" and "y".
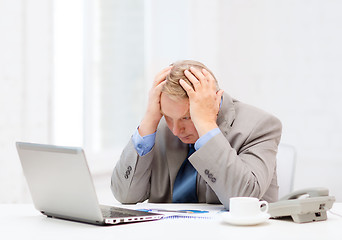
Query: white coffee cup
{"x": 247, "y": 207}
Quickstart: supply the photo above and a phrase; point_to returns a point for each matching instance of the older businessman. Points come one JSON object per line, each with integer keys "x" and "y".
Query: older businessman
{"x": 196, "y": 143}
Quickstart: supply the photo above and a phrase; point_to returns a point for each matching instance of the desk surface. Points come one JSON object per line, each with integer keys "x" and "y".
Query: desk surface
{"x": 22, "y": 221}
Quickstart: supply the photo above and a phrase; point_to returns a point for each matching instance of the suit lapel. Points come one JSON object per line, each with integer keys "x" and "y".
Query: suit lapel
{"x": 226, "y": 114}
{"x": 176, "y": 151}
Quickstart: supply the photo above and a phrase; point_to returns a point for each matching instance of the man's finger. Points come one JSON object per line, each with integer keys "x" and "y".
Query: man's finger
{"x": 189, "y": 90}
{"x": 219, "y": 96}
{"x": 192, "y": 79}
{"x": 198, "y": 74}
{"x": 159, "y": 87}
{"x": 165, "y": 69}
{"x": 207, "y": 75}
{"x": 162, "y": 75}
{"x": 210, "y": 78}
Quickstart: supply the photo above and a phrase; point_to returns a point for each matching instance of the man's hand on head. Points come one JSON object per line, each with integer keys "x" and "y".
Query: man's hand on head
{"x": 153, "y": 115}
{"x": 204, "y": 99}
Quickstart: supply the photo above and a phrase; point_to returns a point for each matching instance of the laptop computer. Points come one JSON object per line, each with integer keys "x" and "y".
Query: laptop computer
{"x": 61, "y": 186}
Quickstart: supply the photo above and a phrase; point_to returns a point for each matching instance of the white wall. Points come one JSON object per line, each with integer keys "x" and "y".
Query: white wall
{"x": 286, "y": 57}
{"x": 25, "y": 80}
{"x": 282, "y": 56}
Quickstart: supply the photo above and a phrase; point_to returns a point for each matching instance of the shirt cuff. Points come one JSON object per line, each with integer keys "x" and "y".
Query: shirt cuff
{"x": 143, "y": 145}
{"x": 206, "y": 137}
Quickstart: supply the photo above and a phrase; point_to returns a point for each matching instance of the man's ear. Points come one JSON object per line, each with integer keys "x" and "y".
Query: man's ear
{"x": 219, "y": 94}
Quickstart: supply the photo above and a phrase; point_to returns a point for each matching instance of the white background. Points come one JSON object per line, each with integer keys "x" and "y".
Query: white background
{"x": 282, "y": 56}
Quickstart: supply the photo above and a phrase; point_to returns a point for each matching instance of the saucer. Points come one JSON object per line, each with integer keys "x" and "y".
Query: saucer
{"x": 229, "y": 218}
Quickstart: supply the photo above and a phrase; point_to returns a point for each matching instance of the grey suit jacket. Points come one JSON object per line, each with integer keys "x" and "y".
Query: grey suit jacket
{"x": 239, "y": 161}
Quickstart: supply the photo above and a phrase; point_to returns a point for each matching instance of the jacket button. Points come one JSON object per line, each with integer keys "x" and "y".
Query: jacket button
{"x": 129, "y": 168}
{"x": 213, "y": 180}
{"x": 206, "y": 171}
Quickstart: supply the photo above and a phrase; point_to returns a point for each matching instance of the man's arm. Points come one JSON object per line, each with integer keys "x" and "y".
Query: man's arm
{"x": 204, "y": 99}
{"x": 143, "y": 145}
{"x": 131, "y": 176}
{"x": 249, "y": 171}
{"x": 153, "y": 115}
{"x": 230, "y": 173}
{"x": 130, "y": 181}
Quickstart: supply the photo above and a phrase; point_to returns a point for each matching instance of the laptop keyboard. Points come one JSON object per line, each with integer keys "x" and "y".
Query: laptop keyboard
{"x": 114, "y": 212}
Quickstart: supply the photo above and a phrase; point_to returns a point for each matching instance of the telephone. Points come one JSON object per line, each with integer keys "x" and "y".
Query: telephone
{"x": 303, "y": 206}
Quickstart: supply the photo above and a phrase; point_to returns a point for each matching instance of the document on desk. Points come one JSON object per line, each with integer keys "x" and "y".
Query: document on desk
{"x": 184, "y": 211}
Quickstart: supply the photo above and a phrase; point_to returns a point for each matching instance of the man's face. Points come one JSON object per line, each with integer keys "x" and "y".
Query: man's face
{"x": 177, "y": 116}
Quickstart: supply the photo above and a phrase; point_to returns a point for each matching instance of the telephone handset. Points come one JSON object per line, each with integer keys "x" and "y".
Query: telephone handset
{"x": 306, "y": 205}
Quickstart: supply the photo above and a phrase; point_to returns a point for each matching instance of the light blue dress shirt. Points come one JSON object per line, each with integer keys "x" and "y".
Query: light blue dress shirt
{"x": 143, "y": 145}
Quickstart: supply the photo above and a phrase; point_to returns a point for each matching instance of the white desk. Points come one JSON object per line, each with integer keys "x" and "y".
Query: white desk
{"x": 24, "y": 222}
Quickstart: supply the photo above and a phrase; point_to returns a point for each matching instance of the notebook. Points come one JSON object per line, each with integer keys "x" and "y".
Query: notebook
{"x": 61, "y": 186}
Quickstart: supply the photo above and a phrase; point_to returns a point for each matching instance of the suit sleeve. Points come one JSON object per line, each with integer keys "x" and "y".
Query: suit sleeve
{"x": 244, "y": 171}
{"x": 126, "y": 188}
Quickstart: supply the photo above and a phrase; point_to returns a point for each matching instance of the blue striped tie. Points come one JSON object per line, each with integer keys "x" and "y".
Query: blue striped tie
{"x": 185, "y": 189}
